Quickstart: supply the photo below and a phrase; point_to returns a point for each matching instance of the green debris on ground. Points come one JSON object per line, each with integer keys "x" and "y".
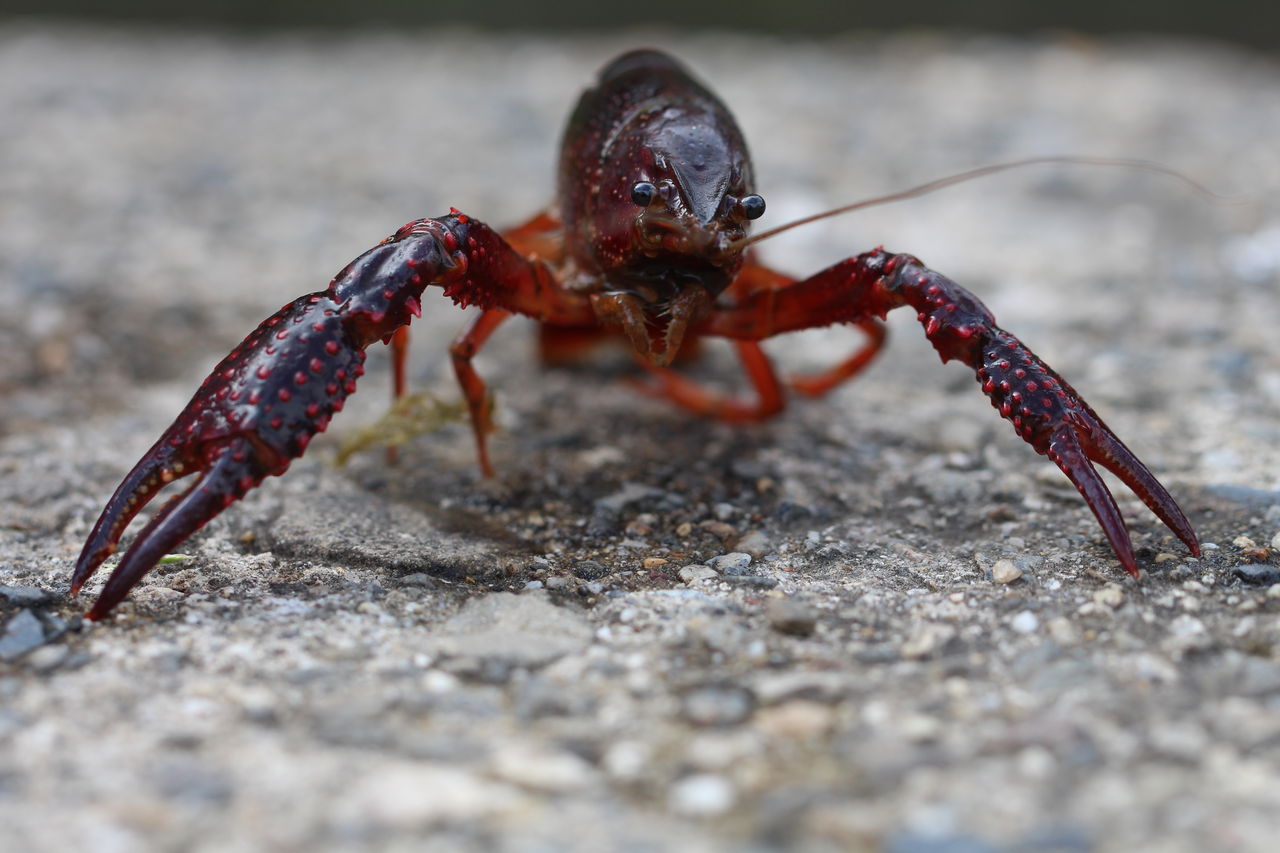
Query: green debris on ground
{"x": 411, "y": 416}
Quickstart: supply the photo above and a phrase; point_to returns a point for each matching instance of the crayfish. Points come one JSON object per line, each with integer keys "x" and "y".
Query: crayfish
{"x": 648, "y": 242}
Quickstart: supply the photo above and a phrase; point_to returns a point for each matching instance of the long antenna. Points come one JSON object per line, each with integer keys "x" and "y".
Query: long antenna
{"x": 982, "y": 171}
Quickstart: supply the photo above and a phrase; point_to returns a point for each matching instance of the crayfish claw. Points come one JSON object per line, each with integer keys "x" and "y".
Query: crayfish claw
{"x": 1064, "y": 450}
{"x": 1103, "y": 447}
{"x": 256, "y": 412}
{"x": 1046, "y": 412}
{"x": 160, "y": 465}
{"x": 1052, "y": 417}
{"x": 230, "y": 472}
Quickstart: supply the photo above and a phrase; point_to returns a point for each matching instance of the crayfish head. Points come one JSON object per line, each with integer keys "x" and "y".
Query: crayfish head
{"x": 672, "y": 240}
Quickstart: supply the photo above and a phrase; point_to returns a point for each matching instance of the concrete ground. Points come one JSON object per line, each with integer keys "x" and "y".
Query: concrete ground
{"x": 931, "y": 649}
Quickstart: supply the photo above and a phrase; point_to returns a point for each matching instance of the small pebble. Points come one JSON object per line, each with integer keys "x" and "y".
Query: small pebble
{"x": 23, "y": 633}
{"x": 701, "y": 795}
{"x": 590, "y": 570}
{"x": 558, "y": 582}
{"x": 755, "y": 543}
{"x": 718, "y": 706}
{"x": 1258, "y": 574}
{"x": 47, "y": 658}
{"x": 788, "y": 616}
{"x": 798, "y": 718}
{"x": 918, "y": 728}
{"x": 718, "y": 529}
{"x": 1004, "y": 571}
{"x": 654, "y": 562}
{"x": 543, "y": 769}
{"x": 752, "y": 581}
{"x": 25, "y": 596}
{"x": 1244, "y": 542}
{"x": 926, "y": 639}
{"x": 731, "y": 564}
{"x": 1110, "y": 596}
{"x": 1063, "y": 631}
{"x": 697, "y": 573}
{"x": 1025, "y": 622}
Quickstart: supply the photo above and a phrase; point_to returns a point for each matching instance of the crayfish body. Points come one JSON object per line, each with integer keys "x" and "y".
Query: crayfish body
{"x": 648, "y": 242}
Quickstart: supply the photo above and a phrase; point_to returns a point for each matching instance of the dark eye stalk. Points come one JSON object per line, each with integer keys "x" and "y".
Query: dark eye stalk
{"x": 643, "y": 193}
{"x": 752, "y": 206}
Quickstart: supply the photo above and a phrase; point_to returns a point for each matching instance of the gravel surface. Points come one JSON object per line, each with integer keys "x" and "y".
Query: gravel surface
{"x": 879, "y": 622}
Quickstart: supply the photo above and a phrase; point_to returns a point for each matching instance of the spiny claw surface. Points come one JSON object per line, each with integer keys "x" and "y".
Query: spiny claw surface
{"x": 1050, "y": 416}
{"x": 252, "y": 416}
{"x": 1044, "y": 409}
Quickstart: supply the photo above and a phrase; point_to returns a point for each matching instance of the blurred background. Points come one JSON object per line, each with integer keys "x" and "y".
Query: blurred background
{"x": 171, "y": 173}
{"x": 1256, "y": 24}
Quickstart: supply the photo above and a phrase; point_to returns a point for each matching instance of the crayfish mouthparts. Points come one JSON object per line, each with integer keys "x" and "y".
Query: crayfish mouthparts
{"x": 657, "y": 338}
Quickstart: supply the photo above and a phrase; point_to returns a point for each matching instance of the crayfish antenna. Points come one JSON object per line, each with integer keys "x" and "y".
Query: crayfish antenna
{"x": 993, "y": 169}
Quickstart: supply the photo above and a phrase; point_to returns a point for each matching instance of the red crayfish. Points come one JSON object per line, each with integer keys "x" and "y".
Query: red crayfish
{"x": 649, "y": 241}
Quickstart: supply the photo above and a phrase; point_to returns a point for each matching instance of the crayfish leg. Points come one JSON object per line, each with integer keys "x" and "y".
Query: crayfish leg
{"x": 462, "y": 350}
{"x": 399, "y": 344}
{"x": 693, "y": 397}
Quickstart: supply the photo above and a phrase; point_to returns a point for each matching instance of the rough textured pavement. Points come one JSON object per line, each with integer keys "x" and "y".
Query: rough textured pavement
{"x": 928, "y": 647}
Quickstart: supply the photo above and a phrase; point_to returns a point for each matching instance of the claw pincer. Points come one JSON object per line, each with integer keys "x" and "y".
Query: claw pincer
{"x": 1044, "y": 409}
{"x": 261, "y": 406}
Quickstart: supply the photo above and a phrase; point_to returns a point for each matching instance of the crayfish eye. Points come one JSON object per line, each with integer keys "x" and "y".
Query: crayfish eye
{"x": 643, "y": 193}
{"x": 752, "y": 206}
